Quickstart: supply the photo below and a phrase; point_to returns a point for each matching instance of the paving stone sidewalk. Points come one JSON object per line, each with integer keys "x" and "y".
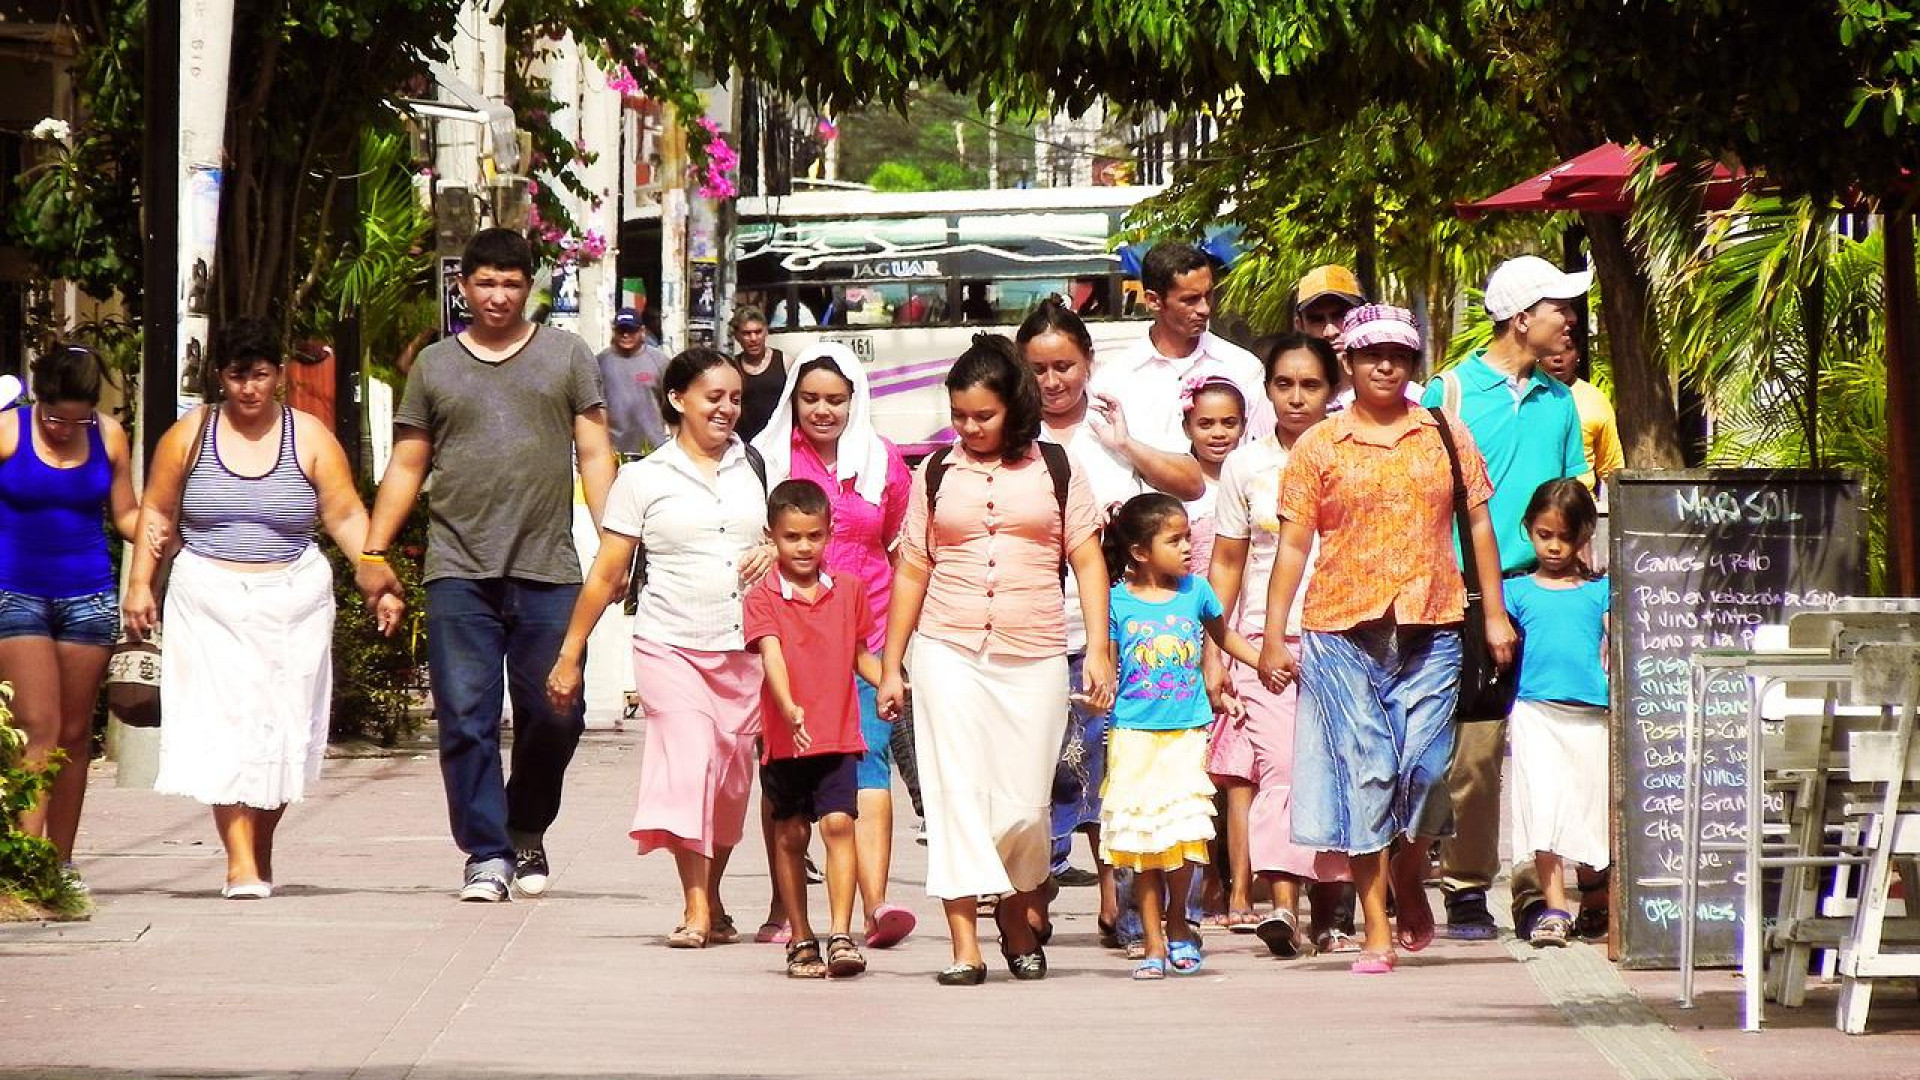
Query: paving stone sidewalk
{"x": 363, "y": 965}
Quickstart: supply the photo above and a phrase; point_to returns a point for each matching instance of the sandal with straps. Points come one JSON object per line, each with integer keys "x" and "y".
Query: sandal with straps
{"x": 804, "y": 961}
{"x": 844, "y": 959}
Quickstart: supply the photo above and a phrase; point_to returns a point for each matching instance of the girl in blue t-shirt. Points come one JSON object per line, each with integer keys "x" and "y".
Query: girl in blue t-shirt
{"x": 1559, "y": 722}
{"x": 1156, "y": 812}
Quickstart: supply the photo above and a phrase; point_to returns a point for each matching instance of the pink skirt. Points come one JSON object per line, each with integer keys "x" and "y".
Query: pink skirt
{"x": 1268, "y": 734}
{"x": 1229, "y": 751}
{"x": 696, "y": 776}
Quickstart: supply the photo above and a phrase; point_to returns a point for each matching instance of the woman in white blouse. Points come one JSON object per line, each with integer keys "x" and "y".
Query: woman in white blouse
{"x": 695, "y": 508}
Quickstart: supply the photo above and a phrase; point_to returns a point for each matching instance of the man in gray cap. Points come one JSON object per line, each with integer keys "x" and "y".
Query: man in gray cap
{"x": 629, "y": 373}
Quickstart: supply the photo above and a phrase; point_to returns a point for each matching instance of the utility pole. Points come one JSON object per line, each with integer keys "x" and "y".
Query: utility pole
{"x": 159, "y": 226}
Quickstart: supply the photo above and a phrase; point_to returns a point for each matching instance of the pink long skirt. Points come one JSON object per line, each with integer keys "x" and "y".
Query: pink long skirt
{"x": 696, "y": 777}
{"x": 1269, "y": 739}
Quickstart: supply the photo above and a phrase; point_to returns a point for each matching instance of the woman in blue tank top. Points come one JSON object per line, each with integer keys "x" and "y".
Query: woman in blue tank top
{"x": 246, "y": 677}
{"x": 64, "y": 468}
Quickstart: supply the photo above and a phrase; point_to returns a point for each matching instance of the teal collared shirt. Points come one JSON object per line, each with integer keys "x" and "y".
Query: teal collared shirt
{"x": 1527, "y": 441}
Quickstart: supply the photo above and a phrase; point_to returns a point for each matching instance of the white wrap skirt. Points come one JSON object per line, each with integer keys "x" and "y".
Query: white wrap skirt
{"x": 246, "y": 680}
{"x": 987, "y": 733}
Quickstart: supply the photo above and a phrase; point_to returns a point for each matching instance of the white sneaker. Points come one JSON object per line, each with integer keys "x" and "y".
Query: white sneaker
{"x": 485, "y": 885}
{"x": 247, "y": 890}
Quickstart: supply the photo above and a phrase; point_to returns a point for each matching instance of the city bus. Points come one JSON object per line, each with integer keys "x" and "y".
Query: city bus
{"x": 906, "y": 279}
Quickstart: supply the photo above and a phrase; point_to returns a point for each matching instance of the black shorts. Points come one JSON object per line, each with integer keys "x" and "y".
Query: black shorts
{"x": 812, "y": 787}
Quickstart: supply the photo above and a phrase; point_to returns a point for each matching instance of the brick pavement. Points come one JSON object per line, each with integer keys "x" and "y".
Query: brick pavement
{"x": 364, "y": 966}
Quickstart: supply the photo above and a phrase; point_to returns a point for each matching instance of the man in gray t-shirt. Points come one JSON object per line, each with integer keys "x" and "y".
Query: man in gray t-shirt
{"x": 498, "y": 414}
{"x": 630, "y": 377}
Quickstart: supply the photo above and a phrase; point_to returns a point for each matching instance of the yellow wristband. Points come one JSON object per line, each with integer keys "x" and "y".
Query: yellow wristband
{"x": 373, "y": 558}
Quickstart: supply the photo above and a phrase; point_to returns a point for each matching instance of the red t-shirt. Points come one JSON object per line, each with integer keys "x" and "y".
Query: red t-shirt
{"x": 819, "y": 639}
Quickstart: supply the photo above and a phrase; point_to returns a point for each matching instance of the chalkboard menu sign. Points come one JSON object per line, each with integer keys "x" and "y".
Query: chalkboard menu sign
{"x": 1700, "y": 560}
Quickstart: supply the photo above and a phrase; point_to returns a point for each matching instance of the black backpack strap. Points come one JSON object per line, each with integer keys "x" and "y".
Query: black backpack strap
{"x": 759, "y": 464}
{"x": 1462, "y": 519}
{"x": 936, "y": 468}
{"x": 1060, "y": 469}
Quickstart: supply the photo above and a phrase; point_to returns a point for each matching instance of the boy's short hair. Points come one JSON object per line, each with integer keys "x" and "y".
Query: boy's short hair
{"x": 799, "y": 496}
{"x": 497, "y": 249}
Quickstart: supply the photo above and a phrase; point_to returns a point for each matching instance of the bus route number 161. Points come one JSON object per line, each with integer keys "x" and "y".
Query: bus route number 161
{"x": 861, "y": 344}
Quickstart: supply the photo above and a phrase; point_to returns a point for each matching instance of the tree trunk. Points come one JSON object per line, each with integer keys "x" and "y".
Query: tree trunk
{"x": 1642, "y": 391}
{"x": 1903, "y": 403}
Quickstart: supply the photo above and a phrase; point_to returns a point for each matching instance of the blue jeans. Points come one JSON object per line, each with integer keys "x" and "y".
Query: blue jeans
{"x": 474, "y": 628}
{"x": 1374, "y": 735}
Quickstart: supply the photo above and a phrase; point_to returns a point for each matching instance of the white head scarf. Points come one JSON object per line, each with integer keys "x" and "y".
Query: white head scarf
{"x": 862, "y": 457}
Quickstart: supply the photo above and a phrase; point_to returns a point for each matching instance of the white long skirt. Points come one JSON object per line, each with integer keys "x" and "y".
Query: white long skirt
{"x": 1559, "y": 781}
{"x": 246, "y": 681}
{"x": 987, "y": 732}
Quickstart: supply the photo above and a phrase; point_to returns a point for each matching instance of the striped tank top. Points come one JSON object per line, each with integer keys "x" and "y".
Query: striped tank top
{"x": 249, "y": 519}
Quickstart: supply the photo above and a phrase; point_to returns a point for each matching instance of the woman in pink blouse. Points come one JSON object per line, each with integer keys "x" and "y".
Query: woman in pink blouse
{"x": 824, "y": 433}
{"x": 979, "y": 579}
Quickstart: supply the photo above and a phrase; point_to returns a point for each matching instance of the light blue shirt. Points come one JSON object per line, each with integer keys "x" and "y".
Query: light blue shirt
{"x": 1159, "y": 651}
{"x": 1527, "y": 439}
{"x": 1560, "y": 650}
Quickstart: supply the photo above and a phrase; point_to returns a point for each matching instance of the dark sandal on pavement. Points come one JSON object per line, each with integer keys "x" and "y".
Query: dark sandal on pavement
{"x": 1591, "y": 924}
{"x": 1280, "y": 933}
{"x": 1026, "y": 967}
{"x": 844, "y": 960}
{"x": 803, "y": 960}
{"x": 962, "y": 975}
{"x": 724, "y": 932}
{"x": 1109, "y": 935}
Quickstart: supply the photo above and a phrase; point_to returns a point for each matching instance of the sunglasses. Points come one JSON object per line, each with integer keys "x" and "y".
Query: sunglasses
{"x": 61, "y": 422}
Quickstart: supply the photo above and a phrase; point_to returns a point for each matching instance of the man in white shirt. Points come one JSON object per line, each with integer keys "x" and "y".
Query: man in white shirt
{"x": 1141, "y": 383}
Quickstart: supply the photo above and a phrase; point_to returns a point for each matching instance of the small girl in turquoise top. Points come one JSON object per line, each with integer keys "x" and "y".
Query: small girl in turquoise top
{"x": 1558, "y": 726}
{"x": 1156, "y": 812}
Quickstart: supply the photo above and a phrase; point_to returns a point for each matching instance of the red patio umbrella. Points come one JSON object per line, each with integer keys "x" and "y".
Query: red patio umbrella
{"x": 1596, "y": 182}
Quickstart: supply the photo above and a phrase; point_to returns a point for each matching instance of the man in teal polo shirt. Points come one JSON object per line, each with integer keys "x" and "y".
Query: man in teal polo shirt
{"x": 1527, "y": 427}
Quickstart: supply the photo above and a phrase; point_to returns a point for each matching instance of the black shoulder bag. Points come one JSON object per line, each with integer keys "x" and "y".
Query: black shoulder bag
{"x": 1486, "y": 690}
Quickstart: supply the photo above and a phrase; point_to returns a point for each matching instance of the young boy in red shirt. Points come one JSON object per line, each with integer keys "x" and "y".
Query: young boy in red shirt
{"x": 810, "y": 718}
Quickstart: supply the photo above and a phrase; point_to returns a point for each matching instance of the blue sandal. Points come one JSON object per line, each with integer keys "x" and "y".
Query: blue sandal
{"x": 1185, "y": 957}
{"x": 1151, "y": 969}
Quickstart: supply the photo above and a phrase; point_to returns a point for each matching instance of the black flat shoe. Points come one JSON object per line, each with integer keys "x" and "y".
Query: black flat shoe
{"x": 1027, "y": 967}
{"x": 962, "y": 975}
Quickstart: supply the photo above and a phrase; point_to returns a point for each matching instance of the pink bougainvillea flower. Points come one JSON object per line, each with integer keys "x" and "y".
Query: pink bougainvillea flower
{"x": 828, "y": 129}
{"x": 622, "y": 81}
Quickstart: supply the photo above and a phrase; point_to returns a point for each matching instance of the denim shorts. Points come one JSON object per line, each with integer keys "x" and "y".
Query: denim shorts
{"x": 93, "y": 619}
{"x": 876, "y": 765}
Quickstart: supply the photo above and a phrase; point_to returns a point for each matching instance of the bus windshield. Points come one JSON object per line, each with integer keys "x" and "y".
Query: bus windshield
{"x": 906, "y": 280}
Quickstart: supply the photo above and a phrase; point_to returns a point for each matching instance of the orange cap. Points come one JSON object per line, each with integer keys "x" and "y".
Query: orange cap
{"x": 1331, "y": 279}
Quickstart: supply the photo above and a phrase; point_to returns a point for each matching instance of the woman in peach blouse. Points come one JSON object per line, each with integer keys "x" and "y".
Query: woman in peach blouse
{"x": 979, "y": 579}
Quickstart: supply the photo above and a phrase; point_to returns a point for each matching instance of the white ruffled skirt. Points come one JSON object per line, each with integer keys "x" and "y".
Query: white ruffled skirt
{"x": 1156, "y": 809}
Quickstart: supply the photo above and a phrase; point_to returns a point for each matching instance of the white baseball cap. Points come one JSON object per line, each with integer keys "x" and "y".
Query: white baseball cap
{"x": 1518, "y": 284}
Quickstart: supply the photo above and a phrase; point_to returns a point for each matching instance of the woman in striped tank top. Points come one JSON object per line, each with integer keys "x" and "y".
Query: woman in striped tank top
{"x": 246, "y": 676}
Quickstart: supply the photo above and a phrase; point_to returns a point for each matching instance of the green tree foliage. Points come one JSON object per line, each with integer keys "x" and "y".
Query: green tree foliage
{"x": 308, "y": 79}
{"x": 1819, "y": 96}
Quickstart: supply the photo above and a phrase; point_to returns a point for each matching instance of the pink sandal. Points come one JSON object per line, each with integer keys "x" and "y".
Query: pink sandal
{"x": 1374, "y": 963}
{"x": 891, "y": 925}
